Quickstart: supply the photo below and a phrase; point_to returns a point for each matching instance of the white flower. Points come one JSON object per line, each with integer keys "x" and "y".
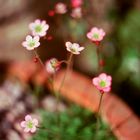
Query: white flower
{"x": 60, "y": 8}
{"x": 31, "y": 42}
{"x": 29, "y": 124}
{"x": 73, "y": 48}
{"x": 52, "y": 65}
{"x": 38, "y": 28}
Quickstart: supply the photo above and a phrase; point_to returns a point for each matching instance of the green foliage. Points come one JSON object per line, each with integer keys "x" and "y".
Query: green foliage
{"x": 128, "y": 37}
{"x": 129, "y": 31}
{"x": 73, "y": 124}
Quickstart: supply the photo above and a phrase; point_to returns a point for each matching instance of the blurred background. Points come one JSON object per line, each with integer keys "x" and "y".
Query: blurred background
{"x": 120, "y": 49}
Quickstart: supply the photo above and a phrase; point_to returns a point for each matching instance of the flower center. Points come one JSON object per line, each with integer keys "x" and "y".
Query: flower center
{"x": 32, "y": 44}
{"x": 102, "y": 83}
{"x": 38, "y": 28}
{"x": 53, "y": 63}
{"x": 30, "y": 124}
{"x": 73, "y": 49}
{"x": 96, "y": 35}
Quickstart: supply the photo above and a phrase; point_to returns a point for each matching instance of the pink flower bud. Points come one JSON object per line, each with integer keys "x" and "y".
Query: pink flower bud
{"x": 76, "y": 3}
{"x": 52, "y": 65}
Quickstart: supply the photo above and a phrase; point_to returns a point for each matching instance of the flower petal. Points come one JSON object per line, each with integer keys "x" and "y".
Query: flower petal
{"x": 95, "y": 81}
{"x": 36, "y": 38}
{"x": 94, "y": 30}
{"x": 109, "y": 78}
{"x": 31, "y": 26}
{"x": 81, "y": 48}
{"x": 107, "y": 89}
{"x": 26, "y": 129}
{"x": 36, "y": 45}
{"x": 23, "y": 124}
{"x": 101, "y": 32}
{"x": 46, "y": 27}
{"x": 68, "y": 44}
{"x": 43, "y": 33}
{"x": 35, "y": 122}
{"x": 28, "y": 38}
{"x": 103, "y": 76}
{"x": 37, "y": 21}
{"x": 89, "y": 35}
{"x": 28, "y": 118}
{"x": 108, "y": 83}
{"x": 75, "y": 45}
{"x": 24, "y": 44}
{"x": 29, "y": 48}
{"x": 33, "y": 129}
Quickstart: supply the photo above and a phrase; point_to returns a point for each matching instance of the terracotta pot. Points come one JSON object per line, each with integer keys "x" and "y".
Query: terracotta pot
{"x": 79, "y": 89}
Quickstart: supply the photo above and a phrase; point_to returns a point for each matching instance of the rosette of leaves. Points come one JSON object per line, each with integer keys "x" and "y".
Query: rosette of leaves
{"x": 73, "y": 124}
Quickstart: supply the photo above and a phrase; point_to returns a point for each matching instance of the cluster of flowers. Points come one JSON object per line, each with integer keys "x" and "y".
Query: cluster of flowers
{"x": 39, "y": 29}
{"x": 61, "y": 8}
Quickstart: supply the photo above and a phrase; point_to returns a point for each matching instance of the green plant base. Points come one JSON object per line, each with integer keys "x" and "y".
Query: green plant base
{"x": 75, "y": 123}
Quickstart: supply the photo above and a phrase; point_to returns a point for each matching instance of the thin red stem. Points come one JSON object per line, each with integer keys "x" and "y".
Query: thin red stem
{"x": 98, "y": 111}
{"x": 36, "y": 55}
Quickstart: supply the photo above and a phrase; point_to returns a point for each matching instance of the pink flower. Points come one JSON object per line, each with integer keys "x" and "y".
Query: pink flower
{"x": 96, "y": 35}
{"x": 74, "y": 48}
{"x": 39, "y": 28}
{"x": 76, "y": 12}
{"x": 31, "y": 42}
{"x": 29, "y": 124}
{"x": 76, "y": 3}
{"x": 52, "y": 65}
{"x": 60, "y": 8}
{"x": 102, "y": 82}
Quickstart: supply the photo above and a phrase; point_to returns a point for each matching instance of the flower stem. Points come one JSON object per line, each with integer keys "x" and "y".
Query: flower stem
{"x": 98, "y": 58}
{"x": 67, "y": 70}
{"x": 63, "y": 61}
{"x": 37, "y": 55}
{"x": 61, "y": 85}
{"x": 99, "y": 107}
{"x": 50, "y": 79}
{"x": 98, "y": 111}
